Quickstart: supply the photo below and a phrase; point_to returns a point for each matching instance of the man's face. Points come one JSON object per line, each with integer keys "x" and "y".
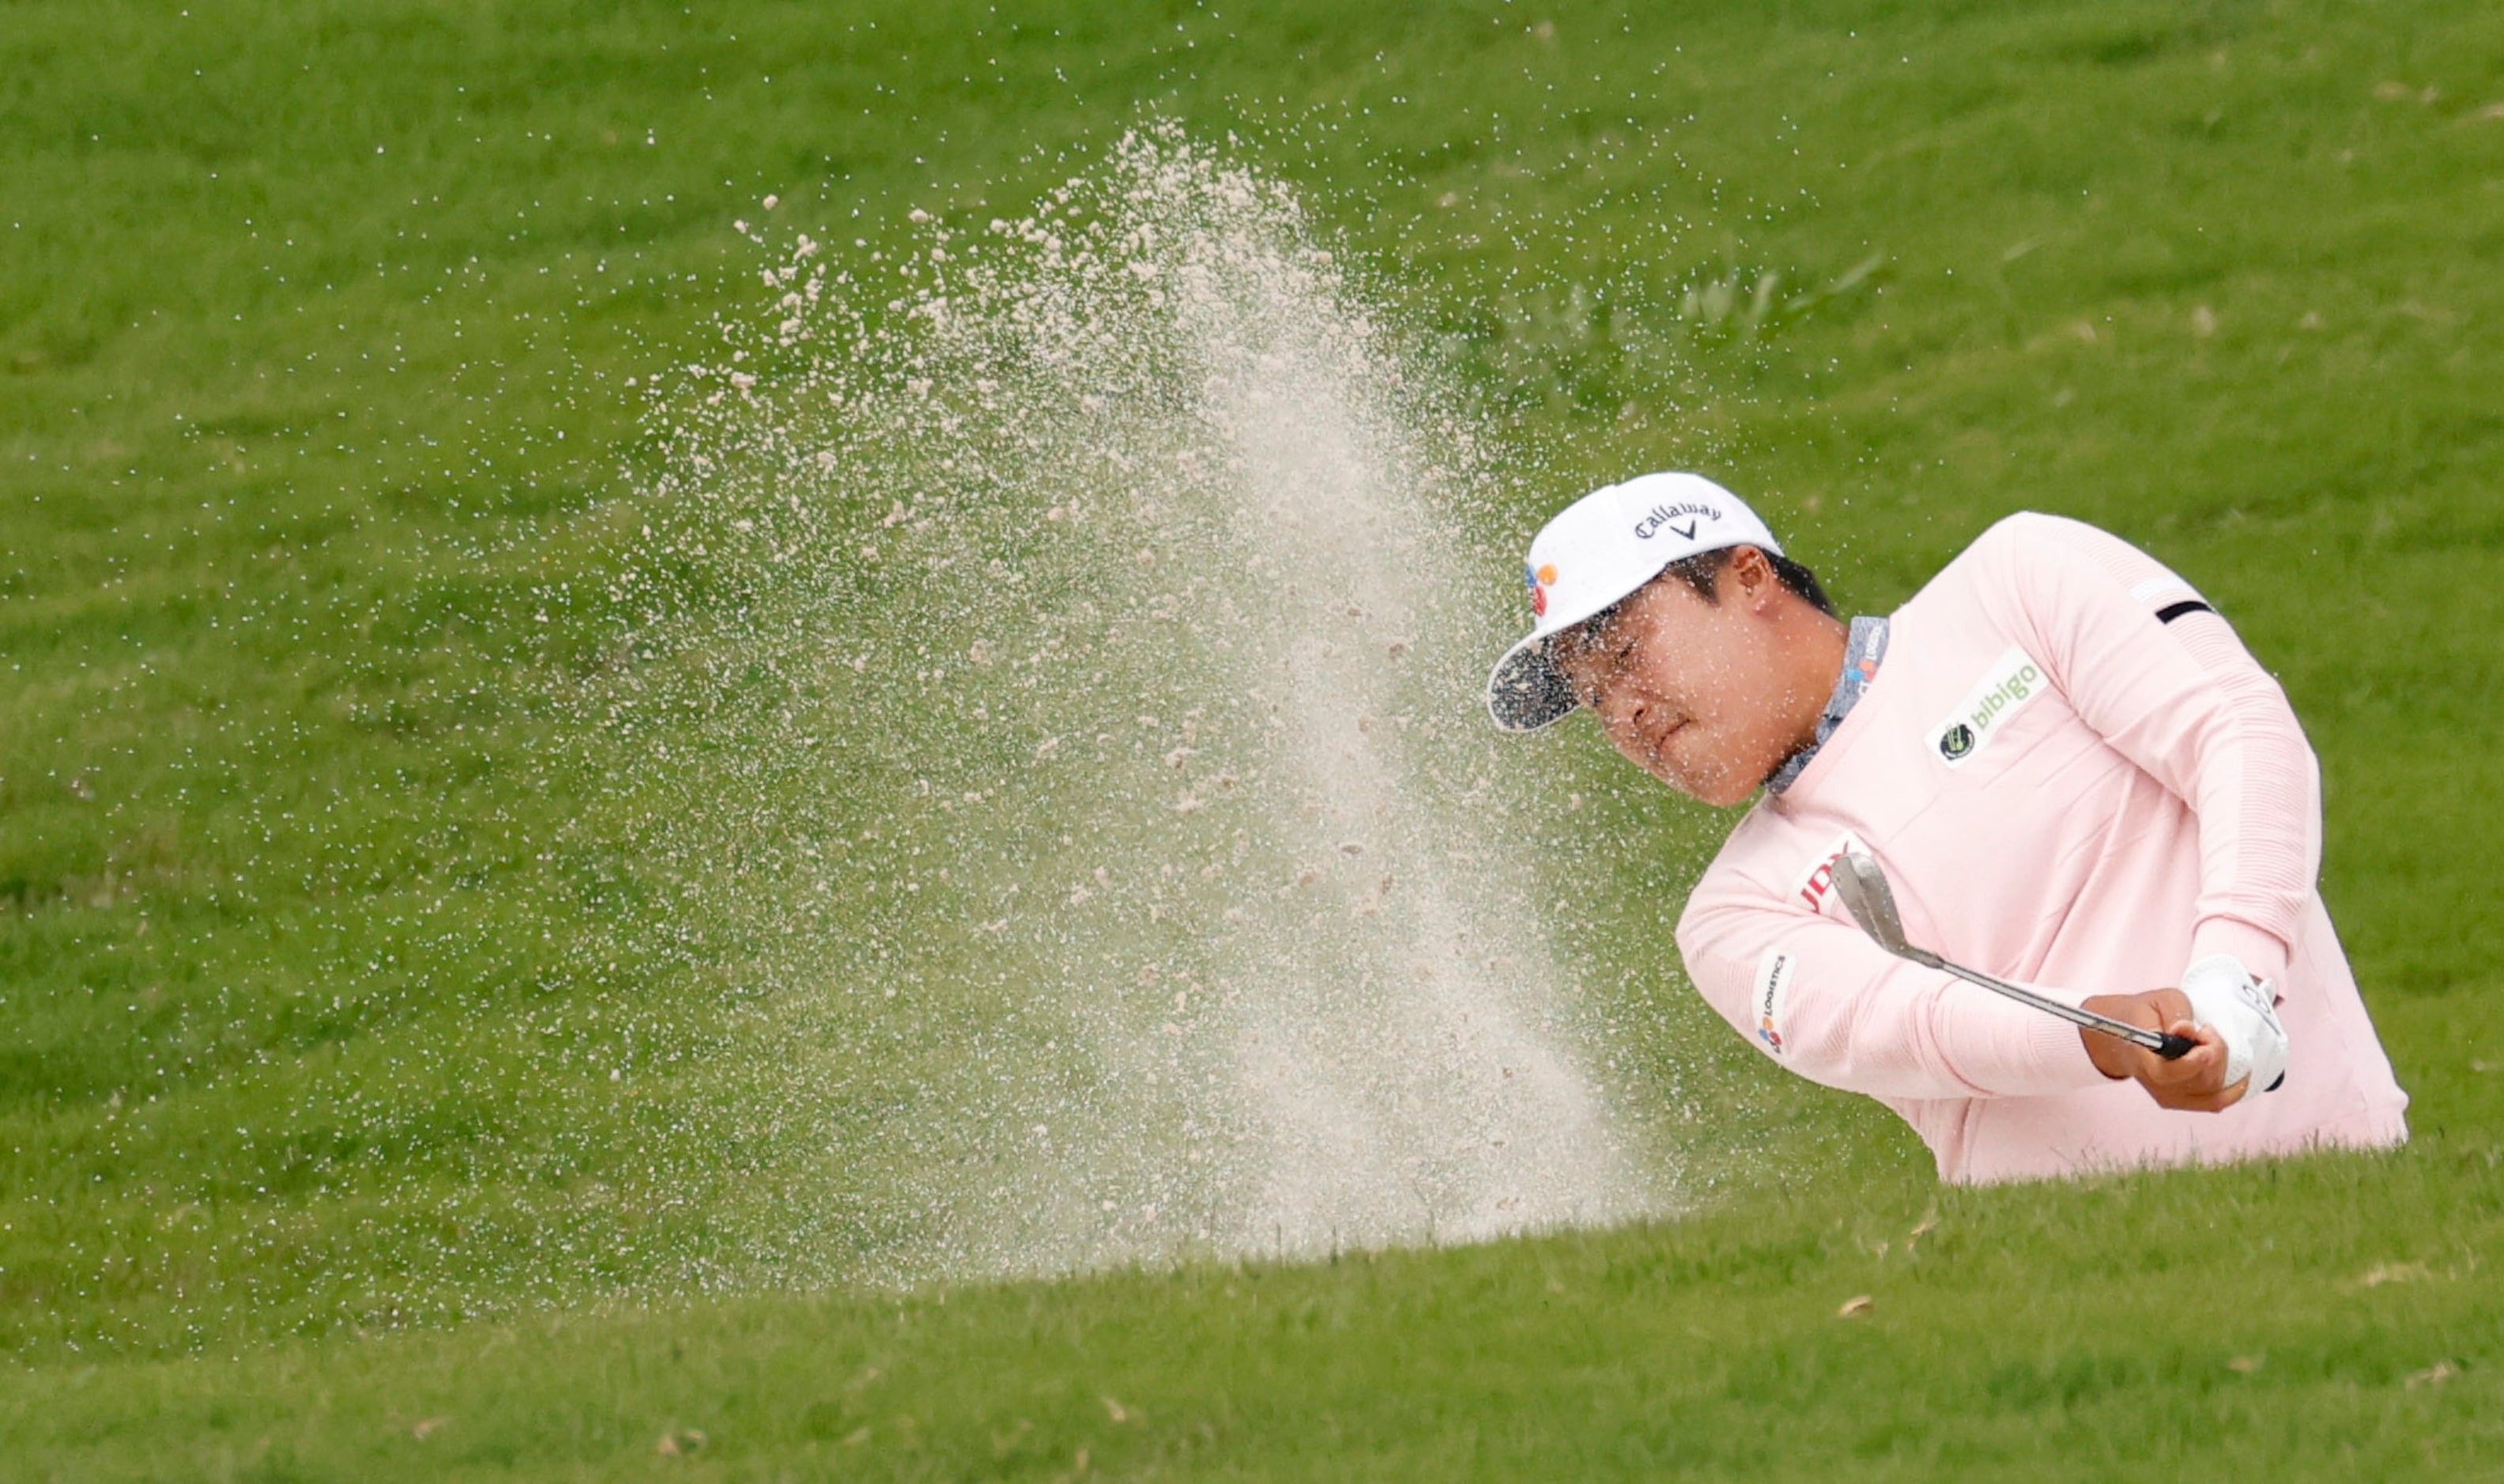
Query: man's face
{"x": 1688, "y": 689}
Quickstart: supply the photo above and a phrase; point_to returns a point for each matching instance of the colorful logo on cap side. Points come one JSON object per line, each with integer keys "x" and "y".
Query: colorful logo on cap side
{"x": 1538, "y": 579}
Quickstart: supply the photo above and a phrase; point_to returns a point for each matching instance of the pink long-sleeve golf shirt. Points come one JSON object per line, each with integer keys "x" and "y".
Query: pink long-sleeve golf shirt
{"x": 2067, "y": 790}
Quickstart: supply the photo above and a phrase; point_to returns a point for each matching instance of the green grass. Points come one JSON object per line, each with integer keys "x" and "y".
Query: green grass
{"x": 315, "y": 323}
{"x": 2082, "y": 1333}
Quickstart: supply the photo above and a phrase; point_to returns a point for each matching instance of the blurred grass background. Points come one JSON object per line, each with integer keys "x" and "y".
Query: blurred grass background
{"x": 315, "y": 329}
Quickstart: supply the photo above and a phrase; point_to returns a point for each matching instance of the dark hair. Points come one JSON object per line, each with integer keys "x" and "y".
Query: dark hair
{"x": 1701, "y": 571}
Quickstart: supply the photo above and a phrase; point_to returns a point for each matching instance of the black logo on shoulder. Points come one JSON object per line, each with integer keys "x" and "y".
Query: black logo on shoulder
{"x": 1956, "y": 742}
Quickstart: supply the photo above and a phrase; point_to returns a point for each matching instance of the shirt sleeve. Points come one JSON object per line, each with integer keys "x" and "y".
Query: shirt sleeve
{"x": 1819, "y": 998}
{"x": 2183, "y": 700}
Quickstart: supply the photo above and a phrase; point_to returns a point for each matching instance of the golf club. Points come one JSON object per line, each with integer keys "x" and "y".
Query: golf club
{"x": 1872, "y": 904}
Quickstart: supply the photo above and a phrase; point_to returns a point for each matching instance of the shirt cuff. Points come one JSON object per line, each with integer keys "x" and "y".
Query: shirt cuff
{"x": 2261, "y": 953}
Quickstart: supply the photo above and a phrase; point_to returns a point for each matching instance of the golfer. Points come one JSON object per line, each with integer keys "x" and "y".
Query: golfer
{"x": 2069, "y": 767}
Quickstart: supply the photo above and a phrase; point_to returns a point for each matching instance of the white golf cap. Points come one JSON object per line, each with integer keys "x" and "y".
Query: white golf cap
{"x": 1596, "y": 551}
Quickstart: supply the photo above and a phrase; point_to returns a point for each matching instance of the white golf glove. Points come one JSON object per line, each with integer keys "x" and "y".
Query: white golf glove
{"x": 2225, "y": 998}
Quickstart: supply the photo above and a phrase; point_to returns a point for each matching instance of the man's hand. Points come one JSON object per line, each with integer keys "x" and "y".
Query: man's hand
{"x": 2195, "y": 1083}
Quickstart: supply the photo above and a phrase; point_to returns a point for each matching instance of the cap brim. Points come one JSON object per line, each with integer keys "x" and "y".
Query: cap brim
{"x": 1526, "y": 691}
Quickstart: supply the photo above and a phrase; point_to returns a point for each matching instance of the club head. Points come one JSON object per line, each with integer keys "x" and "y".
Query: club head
{"x": 1865, "y": 895}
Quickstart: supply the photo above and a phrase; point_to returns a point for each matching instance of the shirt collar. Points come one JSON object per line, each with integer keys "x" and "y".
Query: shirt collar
{"x": 1862, "y": 653}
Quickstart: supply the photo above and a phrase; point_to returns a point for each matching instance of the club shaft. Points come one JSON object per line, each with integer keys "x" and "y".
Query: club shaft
{"x": 2135, "y": 1035}
{"x": 1865, "y": 895}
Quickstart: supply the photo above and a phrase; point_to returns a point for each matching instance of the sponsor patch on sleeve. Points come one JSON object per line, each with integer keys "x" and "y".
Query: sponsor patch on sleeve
{"x": 1774, "y": 973}
{"x": 1817, "y": 885}
{"x": 2013, "y": 681}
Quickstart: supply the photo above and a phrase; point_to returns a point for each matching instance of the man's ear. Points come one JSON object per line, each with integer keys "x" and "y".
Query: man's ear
{"x": 1754, "y": 575}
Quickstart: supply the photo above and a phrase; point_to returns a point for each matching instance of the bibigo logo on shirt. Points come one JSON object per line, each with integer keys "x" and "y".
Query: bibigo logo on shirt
{"x": 2013, "y": 680}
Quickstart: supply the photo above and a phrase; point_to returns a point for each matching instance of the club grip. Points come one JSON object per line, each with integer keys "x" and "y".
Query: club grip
{"x": 2176, "y": 1048}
